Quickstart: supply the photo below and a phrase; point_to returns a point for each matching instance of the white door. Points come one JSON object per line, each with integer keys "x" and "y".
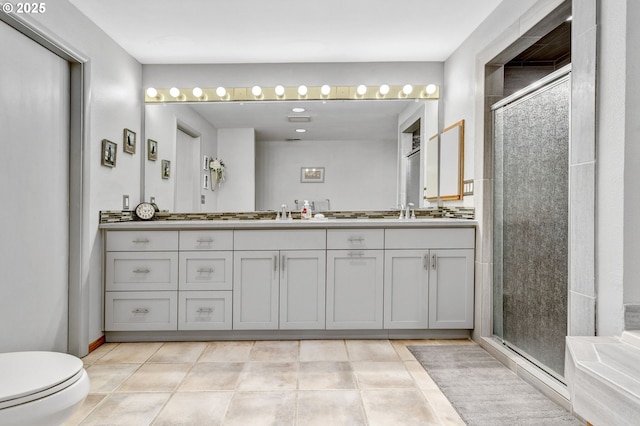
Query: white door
{"x": 34, "y": 189}
{"x": 256, "y": 277}
{"x": 302, "y": 289}
{"x": 451, "y": 282}
{"x": 406, "y": 289}
{"x": 187, "y": 173}
{"x": 354, "y": 289}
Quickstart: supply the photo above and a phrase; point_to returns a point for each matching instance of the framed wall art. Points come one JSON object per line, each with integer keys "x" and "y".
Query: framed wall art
{"x": 312, "y": 174}
{"x": 152, "y": 150}
{"x": 109, "y": 153}
{"x": 129, "y": 141}
{"x": 166, "y": 169}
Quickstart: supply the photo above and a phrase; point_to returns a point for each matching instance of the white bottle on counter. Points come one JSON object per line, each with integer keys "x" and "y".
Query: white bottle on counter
{"x": 306, "y": 213}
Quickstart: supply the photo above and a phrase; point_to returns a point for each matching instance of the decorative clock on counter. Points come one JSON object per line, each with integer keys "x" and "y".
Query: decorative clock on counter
{"x": 146, "y": 211}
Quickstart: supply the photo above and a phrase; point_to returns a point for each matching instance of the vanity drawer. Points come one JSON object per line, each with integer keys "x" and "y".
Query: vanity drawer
{"x": 205, "y": 270}
{"x": 298, "y": 239}
{"x": 440, "y": 238}
{"x": 347, "y": 239}
{"x": 204, "y": 310}
{"x": 142, "y": 240}
{"x": 136, "y": 271}
{"x": 206, "y": 240}
{"x": 145, "y": 310}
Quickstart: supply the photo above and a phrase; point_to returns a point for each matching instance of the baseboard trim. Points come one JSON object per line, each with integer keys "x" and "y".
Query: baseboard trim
{"x": 97, "y": 343}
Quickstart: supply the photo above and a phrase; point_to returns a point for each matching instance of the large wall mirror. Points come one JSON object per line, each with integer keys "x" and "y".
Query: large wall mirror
{"x": 356, "y": 142}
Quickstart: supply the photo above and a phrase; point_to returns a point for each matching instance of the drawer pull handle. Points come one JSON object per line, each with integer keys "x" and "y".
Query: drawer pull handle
{"x": 202, "y": 240}
{"x": 352, "y": 239}
{"x": 207, "y": 270}
{"x": 434, "y": 261}
{"x": 205, "y": 310}
{"x": 142, "y": 270}
{"x": 425, "y": 262}
{"x": 140, "y": 311}
{"x": 356, "y": 254}
{"x": 141, "y": 241}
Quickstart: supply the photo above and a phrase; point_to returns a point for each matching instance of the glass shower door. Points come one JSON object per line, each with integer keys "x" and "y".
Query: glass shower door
{"x": 531, "y": 146}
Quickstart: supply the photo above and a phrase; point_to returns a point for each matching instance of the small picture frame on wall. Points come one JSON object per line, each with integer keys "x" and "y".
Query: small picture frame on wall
{"x": 206, "y": 181}
{"x": 205, "y": 162}
{"x": 129, "y": 141}
{"x": 166, "y": 169}
{"x": 152, "y": 150}
{"x": 109, "y": 153}
{"x": 312, "y": 174}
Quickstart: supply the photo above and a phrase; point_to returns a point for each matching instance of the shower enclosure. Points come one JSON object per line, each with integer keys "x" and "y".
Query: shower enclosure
{"x": 530, "y": 259}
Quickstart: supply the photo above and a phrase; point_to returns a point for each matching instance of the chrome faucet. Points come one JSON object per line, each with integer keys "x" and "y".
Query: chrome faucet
{"x": 401, "y": 211}
{"x": 407, "y": 214}
{"x": 283, "y": 215}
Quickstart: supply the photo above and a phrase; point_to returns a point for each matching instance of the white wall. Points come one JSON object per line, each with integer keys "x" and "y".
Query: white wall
{"x": 359, "y": 175}
{"x": 161, "y": 122}
{"x": 114, "y": 102}
{"x": 237, "y": 148}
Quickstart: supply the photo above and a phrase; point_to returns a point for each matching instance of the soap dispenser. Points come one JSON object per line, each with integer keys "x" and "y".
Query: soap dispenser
{"x": 305, "y": 213}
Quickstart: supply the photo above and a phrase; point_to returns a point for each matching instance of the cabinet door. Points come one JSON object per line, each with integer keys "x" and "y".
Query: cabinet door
{"x": 255, "y": 290}
{"x": 354, "y": 289}
{"x": 451, "y": 286}
{"x": 302, "y": 289}
{"x": 406, "y": 289}
{"x": 205, "y": 270}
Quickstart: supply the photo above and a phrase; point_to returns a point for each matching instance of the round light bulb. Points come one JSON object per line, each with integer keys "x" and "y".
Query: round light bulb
{"x": 430, "y": 89}
{"x": 174, "y": 91}
{"x": 152, "y": 92}
{"x": 301, "y": 130}
{"x": 279, "y": 90}
{"x": 325, "y": 89}
{"x": 221, "y": 91}
{"x": 197, "y": 92}
{"x": 256, "y": 90}
{"x": 361, "y": 90}
{"x": 384, "y": 89}
{"x": 407, "y": 89}
{"x": 302, "y": 90}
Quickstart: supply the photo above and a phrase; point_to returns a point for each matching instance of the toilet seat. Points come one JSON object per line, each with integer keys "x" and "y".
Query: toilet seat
{"x": 29, "y": 376}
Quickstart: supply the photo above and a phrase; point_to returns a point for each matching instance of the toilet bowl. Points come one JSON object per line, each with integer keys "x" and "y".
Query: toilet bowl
{"x": 40, "y": 388}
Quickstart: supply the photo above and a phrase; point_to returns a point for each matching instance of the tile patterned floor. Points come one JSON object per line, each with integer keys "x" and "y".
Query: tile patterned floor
{"x": 308, "y": 382}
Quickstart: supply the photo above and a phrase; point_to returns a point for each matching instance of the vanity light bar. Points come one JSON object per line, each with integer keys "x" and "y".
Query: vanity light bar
{"x": 277, "y": 93}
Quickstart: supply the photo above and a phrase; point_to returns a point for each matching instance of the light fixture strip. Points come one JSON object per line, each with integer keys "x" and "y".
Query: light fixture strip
{"x": 245, "y": 94}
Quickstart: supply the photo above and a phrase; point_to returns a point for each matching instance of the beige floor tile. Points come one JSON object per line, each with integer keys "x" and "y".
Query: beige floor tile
{"x": 371, "y": 350}
{"x": 397, "y": 407}
{"x": 420, "y": 376}
{"x": 130, "y": 353}
{"x": 275, "y": 351}
{"x": 268, "y": 376}
{"x": 177, "y": 352}
{"x": 98, "y": 353}
{"x": 261, "y": 408}
{"x": 227, "y": 352}
{"x": 127, "y": 409}
{"x": 194, "y": 409}
{"x": 323, "y": 350}
{"x": 442, "y": 407}
{"x": 336, "y": 407}
{"x": 106, "y": 378}
{"x": 210, "y": 376}
{"x": 90, "y": 402}
{"x": 382, "y": 375}
{"x": 323, "y": 375}
{"x": 155, "y": 378}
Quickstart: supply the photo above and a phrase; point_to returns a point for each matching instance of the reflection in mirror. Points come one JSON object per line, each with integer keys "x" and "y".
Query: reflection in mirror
{"x": 356, "y": 142}
{"x": 451, "y": 162}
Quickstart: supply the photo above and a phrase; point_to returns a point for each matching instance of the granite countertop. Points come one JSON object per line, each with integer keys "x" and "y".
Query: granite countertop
{"x": 290, "y": 224}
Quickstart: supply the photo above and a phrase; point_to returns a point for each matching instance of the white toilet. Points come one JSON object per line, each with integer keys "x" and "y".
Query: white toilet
{"x": 40, "y": 388}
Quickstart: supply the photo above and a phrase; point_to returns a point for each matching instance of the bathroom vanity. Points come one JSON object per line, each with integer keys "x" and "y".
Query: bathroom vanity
{"x": 235, "y": 279}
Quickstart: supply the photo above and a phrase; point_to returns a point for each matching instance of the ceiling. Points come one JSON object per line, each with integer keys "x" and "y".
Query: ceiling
{"x": 292, "y": 31}
{"x": 287, "y": 31}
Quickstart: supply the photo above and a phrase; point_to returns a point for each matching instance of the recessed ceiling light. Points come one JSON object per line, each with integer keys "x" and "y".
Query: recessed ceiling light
{"x": 298, "y": 109}
{"x": 301, "y": 130}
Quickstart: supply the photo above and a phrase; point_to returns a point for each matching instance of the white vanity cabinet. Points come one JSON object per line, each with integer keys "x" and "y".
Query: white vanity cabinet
{"x": 205, "y": 280}
{"x": 429, "y": 278}
{"x": 279, "y": 279}
{"x": 141, "y": 280}
{"x": 355, "y": 278}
